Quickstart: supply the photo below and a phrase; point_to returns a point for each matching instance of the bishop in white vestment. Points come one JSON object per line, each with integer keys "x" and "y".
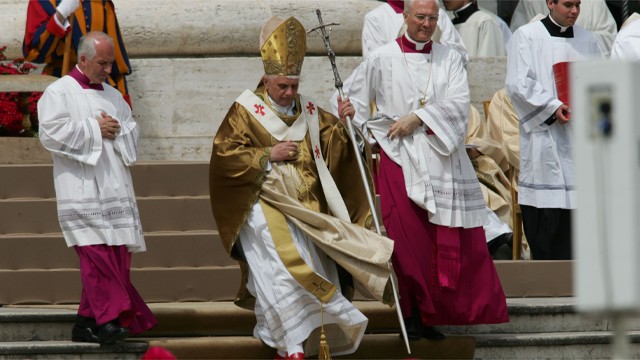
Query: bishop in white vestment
{"x": 386, "y": 23}
{"x": 432, "y": 204}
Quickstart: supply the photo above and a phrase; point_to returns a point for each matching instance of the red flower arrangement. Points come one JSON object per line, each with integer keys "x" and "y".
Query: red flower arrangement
{"x": 11, "y": 104}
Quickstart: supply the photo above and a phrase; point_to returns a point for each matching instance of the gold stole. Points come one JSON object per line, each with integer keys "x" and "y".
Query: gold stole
{"x": 288, "y": 253}
{"x": 314, "y": 283}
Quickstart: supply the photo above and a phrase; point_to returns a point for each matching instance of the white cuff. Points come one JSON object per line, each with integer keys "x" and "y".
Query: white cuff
{"x": 64, "y": 26}
{"x": 67, "y": 7}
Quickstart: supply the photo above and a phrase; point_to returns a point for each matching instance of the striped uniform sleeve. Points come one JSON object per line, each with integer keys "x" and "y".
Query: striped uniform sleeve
{"x": 42, "y": 32}
{"x": 44, "y": 38}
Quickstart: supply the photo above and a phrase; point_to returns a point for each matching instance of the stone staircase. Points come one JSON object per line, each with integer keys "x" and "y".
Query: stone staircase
{"x": 546, "y": 328}
{"x": 202, "y": 330}
{"x": 189, "y": 282}
{"x": 45, "y": 333}
{"x": 184, "y": 260}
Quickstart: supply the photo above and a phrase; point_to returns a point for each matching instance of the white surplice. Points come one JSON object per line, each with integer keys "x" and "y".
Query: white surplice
{"x": 627, "y": 43}
{"x": 594, "y": 16}
{"x": 383, "y": 25}
{"x": 94, "y": 191}
{"x": 481, "y": 35}
{"x": 546, "y": 168}
{"x": 438, "y": 173}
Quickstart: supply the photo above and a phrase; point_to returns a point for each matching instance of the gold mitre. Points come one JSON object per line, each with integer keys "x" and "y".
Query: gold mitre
{"x": 283, "y": 45}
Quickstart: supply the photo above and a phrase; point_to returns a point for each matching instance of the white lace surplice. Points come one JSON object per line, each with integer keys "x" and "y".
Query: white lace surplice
{"x": 96, "y": 201}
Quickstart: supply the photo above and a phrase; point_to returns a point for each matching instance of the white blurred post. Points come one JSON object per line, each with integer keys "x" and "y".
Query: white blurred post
{"x": 605, "y": 123}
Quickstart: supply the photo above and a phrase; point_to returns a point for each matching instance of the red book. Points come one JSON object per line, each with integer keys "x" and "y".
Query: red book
{"x": 561, "y": 75}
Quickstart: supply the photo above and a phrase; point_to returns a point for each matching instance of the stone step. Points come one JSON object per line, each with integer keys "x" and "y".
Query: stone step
{"x": 161, "y": 213}
{"x": 192, "y": 339}
{"x": 166, "y": 249}
{"x": 24, "y": 324}
{"x": 153, "y": 178}
{"x": 166, "y": 283}
{"x": 176, "y": 319}
{"x": 223, "y": 318}
{"x": 552, "y": 345}
{"x": 532, "y": 315}
{"x": 541, "y": 315}
{"x": 531, "y": 279}
{"x": 560, "y": 345}
{"x": 222, "y": 330}
{"x": 574, "y": 345}
{"x": 36, "y": 350}
{"x": 62, "y": 286}
{"x": 171, "y": 178}
{"x": 26, "y": 181}
{"x": 373, "y": 346}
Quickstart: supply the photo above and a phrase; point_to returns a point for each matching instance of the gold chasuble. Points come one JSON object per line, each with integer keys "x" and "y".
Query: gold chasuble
{"x": 293, "y": 191}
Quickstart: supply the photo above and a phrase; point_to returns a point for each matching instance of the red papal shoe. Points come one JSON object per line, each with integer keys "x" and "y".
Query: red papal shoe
{"x": 296, "y": 356}
{"x": 279, "y": 357}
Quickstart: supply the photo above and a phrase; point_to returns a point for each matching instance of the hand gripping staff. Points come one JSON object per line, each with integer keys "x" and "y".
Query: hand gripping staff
{"x": 321, "y": 30}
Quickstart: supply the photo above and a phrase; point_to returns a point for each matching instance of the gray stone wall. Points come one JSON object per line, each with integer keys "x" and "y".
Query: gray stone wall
{"x": 192, "y": 58}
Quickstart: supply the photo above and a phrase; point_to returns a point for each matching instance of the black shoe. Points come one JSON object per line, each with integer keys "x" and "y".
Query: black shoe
{"x": 495, "y": 244}
{"x": 111, "y": 332}
{"x": 429, "y": 332}
{"x": 504, "y": 252}
{"x": 413, "y": 329}
{"x": 85, "y": 330}
{"x": 84, "y": 334}
{"x": 413, "y": 325}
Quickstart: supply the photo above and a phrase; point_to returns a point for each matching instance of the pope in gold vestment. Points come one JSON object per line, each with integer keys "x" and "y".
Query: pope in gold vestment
{"x": 239, "y": 177}
{"x": 302, "y": 256}
{"x": 238, "y": 173}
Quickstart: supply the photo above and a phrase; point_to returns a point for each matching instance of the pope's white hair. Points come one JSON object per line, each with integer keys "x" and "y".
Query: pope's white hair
{"x": 273, "y": 76}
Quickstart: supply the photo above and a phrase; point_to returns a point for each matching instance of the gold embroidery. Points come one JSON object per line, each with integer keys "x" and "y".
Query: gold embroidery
{"x": 288, "y": 253}
{"x": 283, "y": 52}
{"x": 322, "y": 288}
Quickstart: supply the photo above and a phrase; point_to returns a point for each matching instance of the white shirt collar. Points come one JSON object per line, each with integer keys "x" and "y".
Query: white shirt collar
{"x": 286, "y": 110}
{"x": 562, "y": 28}
{"x": 419, "y": 45}
{"x": 462, "y": 8}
